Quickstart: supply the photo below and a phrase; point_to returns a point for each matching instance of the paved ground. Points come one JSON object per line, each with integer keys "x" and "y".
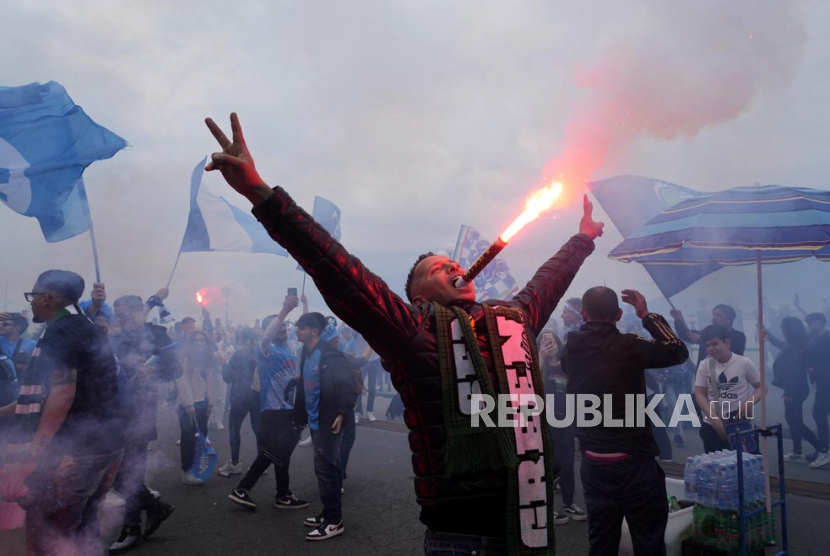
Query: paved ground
{"x": 380, "y": 511}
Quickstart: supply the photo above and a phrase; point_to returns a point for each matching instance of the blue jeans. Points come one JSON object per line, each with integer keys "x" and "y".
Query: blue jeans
{"x": 371, "y": 372}
{"x": 240, "y": 409}
{"x": 446, "y": 544}
{"x": 327, "y": 469}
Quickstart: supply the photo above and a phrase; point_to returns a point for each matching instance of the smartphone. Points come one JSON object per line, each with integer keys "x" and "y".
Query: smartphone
{"x": 292, "y": 292}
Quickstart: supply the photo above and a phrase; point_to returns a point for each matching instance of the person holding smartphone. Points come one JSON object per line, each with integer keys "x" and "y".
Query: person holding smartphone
{"x": 469, "y": 498}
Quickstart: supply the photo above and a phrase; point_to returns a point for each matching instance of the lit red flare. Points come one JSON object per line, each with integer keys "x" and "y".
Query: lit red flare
{"x": 199, "y": 298}
{"x": 535, "y": 205}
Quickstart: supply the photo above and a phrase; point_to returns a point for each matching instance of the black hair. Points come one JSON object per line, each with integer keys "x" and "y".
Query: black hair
{"x": 411, "y": 275}
{"x": 188, "y": 319}
{"x": 600, "y": 303}
{"x": 247, "y": 335}
{"x": 794, "y": 331}
{"x": 728, "y": 310}
{"x": 20, "y": 322}
{"x": 816, "y": 317}
{"x": 714, "y": 331}
{"x": 575, "y": 302}
{"x": 312, "y": 320}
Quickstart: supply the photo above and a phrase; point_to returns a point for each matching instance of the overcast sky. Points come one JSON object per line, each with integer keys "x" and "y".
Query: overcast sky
{"x": 416, "y": 117}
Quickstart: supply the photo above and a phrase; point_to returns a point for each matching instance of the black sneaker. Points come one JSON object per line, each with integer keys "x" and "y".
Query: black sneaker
{"x": 127, "y": 540}
{"x": 243, "y": 498}
{"x": 326, "y": 531}
{"x": 156, "y": 517}
{"x": 560, "y": 519}
{"x": 315, "y": 521}
{"x": 289, "y": 502}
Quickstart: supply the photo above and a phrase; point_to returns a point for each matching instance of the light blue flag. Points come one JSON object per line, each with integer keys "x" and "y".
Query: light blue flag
{"x": 327, "y": 214}
{"x": 630, "y": 202}
{"x": 46, "y": 142}
{"x": 216, "y": 225}
{"x": 495, "y": 281}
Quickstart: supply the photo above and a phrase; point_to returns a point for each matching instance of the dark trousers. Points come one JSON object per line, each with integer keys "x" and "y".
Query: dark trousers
{"x": 327, "y": 469}
{"x": 443, "y": 544}
{"x": 564, "y": 450}
{"x": 130, "y": 484}
{"x": 634, "y": 489}
{"x": 794, "y": 415}
{"x": 349, "y": 433}
{"x": 188, "y": 427}
{"x": 278, "y": 436}
{"x": 712, "y": 442}
{"x": 62, "y": 510}
{"x": 371, "y": 372}
{"x": 239, "y": 410}
{"x": 821, "y": 411}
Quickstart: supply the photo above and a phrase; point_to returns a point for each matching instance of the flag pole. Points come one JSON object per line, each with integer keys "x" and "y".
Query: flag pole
{"x": 304, "y": 275}
{"x": 95, "y": 253}
{"x": 762, "y": 361}
{"x": 88, "y": 214}
{"x": 175, "y": 265}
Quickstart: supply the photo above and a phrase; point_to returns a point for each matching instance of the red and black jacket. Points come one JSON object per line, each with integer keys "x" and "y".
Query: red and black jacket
{"x": 404, "y": 337}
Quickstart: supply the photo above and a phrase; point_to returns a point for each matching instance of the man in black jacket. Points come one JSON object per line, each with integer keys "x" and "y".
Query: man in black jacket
{"x": 325, "y": 395}
{"x": 147, "y": 357}
{"x": 620, "y": 477}
{"x": 722, "y": 315}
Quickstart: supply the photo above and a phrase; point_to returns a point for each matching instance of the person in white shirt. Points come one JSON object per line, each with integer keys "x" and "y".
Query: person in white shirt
{"x": 738, "y": 388}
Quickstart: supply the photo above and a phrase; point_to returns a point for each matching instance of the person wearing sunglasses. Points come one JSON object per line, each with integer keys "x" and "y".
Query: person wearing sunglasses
{"x": 66, "y": 441}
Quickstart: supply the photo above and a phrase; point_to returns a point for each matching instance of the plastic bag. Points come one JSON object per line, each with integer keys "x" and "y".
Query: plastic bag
{"x": 204, "y": 458}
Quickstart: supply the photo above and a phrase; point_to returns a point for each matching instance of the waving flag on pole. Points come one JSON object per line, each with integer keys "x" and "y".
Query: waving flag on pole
{"x": 327, "y": 214}
{"x": 216, "y": 225}
{"x": 630, "y": 202}
{"x": 46, "y": 142}
{"x": 495, "y": 281}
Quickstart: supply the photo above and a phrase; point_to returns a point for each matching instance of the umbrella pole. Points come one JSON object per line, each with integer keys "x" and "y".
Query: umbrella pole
{"x": 761, "y": 361}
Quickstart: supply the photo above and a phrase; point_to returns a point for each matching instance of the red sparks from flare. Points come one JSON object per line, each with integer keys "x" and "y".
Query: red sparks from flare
{"x": 199, "y": 297}
{"x": 536, "y": 204}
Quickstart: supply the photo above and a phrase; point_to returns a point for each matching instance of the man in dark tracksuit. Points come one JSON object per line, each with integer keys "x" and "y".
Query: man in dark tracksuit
{"x": 147, "y": 358}
{"x": 325, "y": 396}
{"x": 620, "y": 477}
{"x": 461, "y": 512}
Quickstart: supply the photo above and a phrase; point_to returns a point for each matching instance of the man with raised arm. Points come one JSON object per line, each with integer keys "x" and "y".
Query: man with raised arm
{"x": 477, "y": 486}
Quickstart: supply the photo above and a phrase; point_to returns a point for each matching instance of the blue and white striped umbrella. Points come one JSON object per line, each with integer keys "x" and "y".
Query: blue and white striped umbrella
{"x": 741, "y": 226}
{"x": 782, "y": 224}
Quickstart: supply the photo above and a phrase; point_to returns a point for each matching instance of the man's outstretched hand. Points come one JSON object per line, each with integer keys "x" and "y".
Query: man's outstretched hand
{"x": 236, "y": 163}
{"x": 637, "y": 300}
{"x": 587, "y": 225}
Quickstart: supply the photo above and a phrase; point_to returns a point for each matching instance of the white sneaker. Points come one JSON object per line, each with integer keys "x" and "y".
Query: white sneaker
{"x": 794, "y": 457}
{"x": 191, "y": 480}
{"x": 822, "y": 460}
{"x": 113, "y": 500}
{"x": 326, "y": 531}
{"x": 305, "y": 443}
{"x": 356, "y": 418}
{"x": 371, "y": 417}
{"x": 230, "y": 469}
